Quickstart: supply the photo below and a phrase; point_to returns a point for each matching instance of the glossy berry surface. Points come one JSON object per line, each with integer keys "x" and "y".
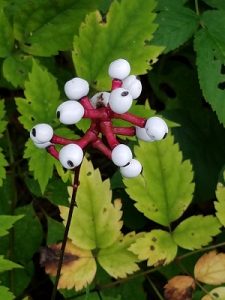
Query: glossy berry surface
{"x": 102, "y": 109}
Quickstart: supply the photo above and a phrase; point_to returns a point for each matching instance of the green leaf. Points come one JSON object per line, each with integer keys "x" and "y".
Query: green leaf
{"x": 164, "y": 190}
{"x": 129, "y": 24}
{"x": 41, "y": 98}
{"x": 177, "y": 24}
{"x": 196, "y": 232}
{"x": 210, "y": 48}
{"x": 5, "y": 293}
{"x": 3, "y": 164}
{"x": 16, "y": 68}
{"x": 55, "y": 231}
{"x": 220, "y": 204}
{"x": 117, "y": 260}
{"x": 6, "y": 222}
{"x": 6, "y": 35}
{"x": 3, "y": 123}
{"x": 157, "y": 246}
{"x": 6, "y": 265}
{"x": 96, "y": 221}
{"x": 52, "y": 25}
{"x": 220, "y": 4}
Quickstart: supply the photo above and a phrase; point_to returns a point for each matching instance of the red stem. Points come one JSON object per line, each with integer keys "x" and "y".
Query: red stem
{"x": 129, "y": 131}
{"x": 116, "y": 83}
{"x": 107, "y": 129}
{"x": 51, "y": 149}
{"x": 85, "y": 101}
{"x": 98, "y": 144}
{"x": 135, "y": 120}
{"x": 94, "y": 114}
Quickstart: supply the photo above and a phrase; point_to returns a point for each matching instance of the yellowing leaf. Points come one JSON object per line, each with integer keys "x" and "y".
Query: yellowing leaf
{"x": 196, "y": 231}
{"x": 217, "y": 293}
{"x": 156, "y": 246}
{"x": 210, "y": 268}
{"x": 117, "y": 260}
{"x": 96, "y": 221}
{"x": 123, "y": 34}
{"x": 164, "y": 190}
{"x": 79, "y": 266}
{"x": 179, "y": 288}
{"x": 220, "y": 204}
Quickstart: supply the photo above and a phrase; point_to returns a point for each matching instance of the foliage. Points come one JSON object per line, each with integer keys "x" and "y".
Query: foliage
{"x": 144, "y": 231}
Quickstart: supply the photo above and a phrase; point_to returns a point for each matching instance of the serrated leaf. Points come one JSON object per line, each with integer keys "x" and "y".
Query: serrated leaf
{"x": 210, "y": 268}
{"x": 40, "y": 163}
{"x": 129, "y": 24}
{"x": 180, "y": 288}
{"x": 96, "y": 221}
{"x": 117, "y": 260}
{"x": 217, "y": 293}
{"x": 78, "y": 270}
{"x": 41, "y": 98}
{"x": 3, "y": 162}
{"x": 52, "y": 25}
{"x": 157, "y": 246}
{"x": 210, "y": 49}
{"x": 3, "y": 123}
{"x": 15, "y": 69}
{"x": 164, "y": 190}
{"x": 6, "y": 294}
{"x": 220, "y": 204}
{"x": 6, "y": 265}
{"x": 177, "y": 24}
{"x": 6, "y": 222}
{"x": 196, "y": 232}
{"x": 6, "y": 35}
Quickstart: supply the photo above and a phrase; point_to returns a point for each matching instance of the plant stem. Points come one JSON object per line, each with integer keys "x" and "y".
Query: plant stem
{"x": 197, "y": 7}
{"x": 154, "y": 288}
{"x": 72, "y": 204}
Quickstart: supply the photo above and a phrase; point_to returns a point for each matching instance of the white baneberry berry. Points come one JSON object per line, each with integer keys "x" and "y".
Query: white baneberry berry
{"x": 121, "y": 155}
{"x": 120, "y": 100}
{"x": 41, "y": 133}
{"x": 119, "y": 69}
{"x": 100, "y": 99}
{"x": 70, "y": 112}
{"x": 133, "y": 85}
{"x": 71, "y": 156}
{"x": 42, "y": 145}
{"x": 142, "y": 134}
{"x": 156, "y": 128}
{"x": 76, "y": 88}
{"x": 132, "y": 169}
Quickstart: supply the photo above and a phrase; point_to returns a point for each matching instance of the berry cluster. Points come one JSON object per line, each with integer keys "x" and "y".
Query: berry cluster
{"x": 102, "y": 108}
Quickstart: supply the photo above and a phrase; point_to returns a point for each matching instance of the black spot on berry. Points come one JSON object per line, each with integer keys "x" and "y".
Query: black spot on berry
{"x": 33, "y": 132}
{"x": 70, "y": 163}
{"x": 58, "y": 114}
{"x": 124, "y": 94}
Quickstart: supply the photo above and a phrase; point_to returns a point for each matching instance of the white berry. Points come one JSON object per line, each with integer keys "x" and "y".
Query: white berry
{"x": 71, "y": 156}
{"x": 142, "y": 134}
{"x": 133, "y": 169}
{"x": 41, "y": 133}
{"x": 100, "y": 99}
{"x": 42, "y": 145}
{"x": 120, "y": 100}
{"x": 70, "y": 112}
{"x": 76, "y": 88}
{"x": 119, "y": 69}
{"x": 133, "y": 85}
{"x": 121, "y": 155}
{"x": 156, "y": 128}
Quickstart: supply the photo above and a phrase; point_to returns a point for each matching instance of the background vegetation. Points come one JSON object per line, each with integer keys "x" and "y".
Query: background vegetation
{"x": 175, "y": 211}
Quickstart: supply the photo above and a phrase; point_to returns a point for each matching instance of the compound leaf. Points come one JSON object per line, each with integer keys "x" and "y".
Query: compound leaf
{"x": 129, "y": 24}
{"x": 196, "y": 231}
{"x": 117, "y": 260}
{"x": 210, "y": 268}
{"x": 6, "y": 35}
{"x": 96, "y": 221}
{"x": 5, "y": 293}
{"x": 156, "y": 246}
{"x": 78, "y": 269}
{"x": 165, "y": 188}
{"x": 176, "y": 25}
{"x": 6, "y": 265}
{"x": 220, "y": 204}
{"x": 52, "y": 25}
{"x": 210, "y": 45}
{"x": 6, "y": 222}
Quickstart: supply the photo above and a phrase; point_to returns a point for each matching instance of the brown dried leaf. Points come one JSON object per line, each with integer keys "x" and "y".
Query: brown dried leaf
{"x": 210, "y": 268}
{"x": 179, "y": 288}
{"x": 78, "y": 269}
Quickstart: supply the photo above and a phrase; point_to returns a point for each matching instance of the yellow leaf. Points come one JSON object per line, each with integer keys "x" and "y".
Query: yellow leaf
{"x": 210, "y": 268}
{"x": 79, "y": 266}
{"x": 179, "y": 288}
{"x": 217, "y": 293}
